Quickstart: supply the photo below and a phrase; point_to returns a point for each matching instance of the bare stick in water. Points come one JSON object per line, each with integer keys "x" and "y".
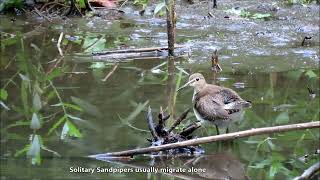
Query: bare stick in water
{"x": 209, "y": 139}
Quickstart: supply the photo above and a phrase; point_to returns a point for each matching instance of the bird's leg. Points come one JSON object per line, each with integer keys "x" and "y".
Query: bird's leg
{"x": 217, "y": 129}
{"x": 214, "y": 3}
{"x": 227, "y": 131}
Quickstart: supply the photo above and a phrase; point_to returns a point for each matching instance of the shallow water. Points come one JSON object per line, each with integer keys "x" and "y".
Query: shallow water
{"x": 270, "y": 70}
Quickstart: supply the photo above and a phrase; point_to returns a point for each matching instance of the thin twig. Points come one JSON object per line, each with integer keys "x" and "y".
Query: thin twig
{"x": 59, "y": 44}
{"x": 308, "y": 173}
{"x": 42, "y": 15}
{"x": 178, "y": 121}
{"x": 110, "y": 73}
{"x": 209, "y": 139}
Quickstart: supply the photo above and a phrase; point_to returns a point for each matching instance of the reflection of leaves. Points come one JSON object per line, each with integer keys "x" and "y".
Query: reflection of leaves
{"x": 252, "y": 118}
{"x": 261, "y": 164}
{"x": 295, "y": 75}
{"x": 134, "y": 113}
{"x": 275, "y": 167}
{"x": 98, "y": 65}
{"x": 298, "y": 149}
{"x": 86, "y": 106}
{"x": 94, "y": 44}
{"x": 282, "y": 118}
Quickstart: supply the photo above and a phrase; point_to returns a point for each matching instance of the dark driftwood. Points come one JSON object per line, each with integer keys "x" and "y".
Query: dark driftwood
{"x": 308, "y": 173}
{"x": 178, "y": 121}
{"x": 223, "y": 137}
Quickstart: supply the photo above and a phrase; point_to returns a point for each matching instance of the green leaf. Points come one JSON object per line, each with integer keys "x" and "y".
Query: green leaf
{"x": 24, "y": 97}
{"x": 18, "y": 123}
{"x": 275, "y": 167}
{"x": 55, "y": 73}
{"x": 282, "y": 118}
{"x": 37, "y": 105}
{"x": 81, "y": 3}
{"x": 295, "y": 74}
{"x": 73, "y": 130}
{"x": 261, "y": 16}
{"x": 35, "y": 122}
{"x": 60, "y": 121}
{"x": 159, "y": 7}
{"x": 23, "y": 150}
{"x": 311, "y": 74}
{"x": 72, "y": 106}
{"x": 3, "y": 94}
{"x": 261, "y": 164}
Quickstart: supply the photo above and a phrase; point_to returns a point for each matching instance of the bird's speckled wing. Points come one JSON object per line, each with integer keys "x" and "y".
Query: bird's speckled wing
{"x": 210, "y": 108}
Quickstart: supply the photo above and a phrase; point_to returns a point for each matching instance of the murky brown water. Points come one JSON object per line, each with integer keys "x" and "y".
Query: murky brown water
{"x": 262, "y": 61}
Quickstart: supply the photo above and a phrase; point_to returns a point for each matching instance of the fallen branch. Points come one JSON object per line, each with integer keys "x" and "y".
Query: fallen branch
{"x": 139, "y": 50}
{"x": 308, "y": 173}
{"x": 110, "y": 73}
{"x": 223, "y": 137}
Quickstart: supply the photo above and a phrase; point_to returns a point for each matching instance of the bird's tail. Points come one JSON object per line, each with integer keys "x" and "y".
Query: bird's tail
{"x": 238, "y": 105}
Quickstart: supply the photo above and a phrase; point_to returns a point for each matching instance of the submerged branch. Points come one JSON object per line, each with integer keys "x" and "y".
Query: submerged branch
{"x": 308, "y": 173}
{"x": 151, "y": 124}
{"x": 223, "y": 137}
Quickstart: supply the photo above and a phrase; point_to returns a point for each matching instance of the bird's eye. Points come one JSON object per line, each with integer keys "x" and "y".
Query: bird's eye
{"x": 197, "y": 79}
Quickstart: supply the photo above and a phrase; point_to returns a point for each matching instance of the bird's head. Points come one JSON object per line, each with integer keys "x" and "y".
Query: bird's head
{"x": 196, "y": 80}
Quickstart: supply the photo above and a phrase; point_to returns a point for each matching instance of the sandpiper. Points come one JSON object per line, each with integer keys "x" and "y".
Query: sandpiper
{"x": 215, "y": 104}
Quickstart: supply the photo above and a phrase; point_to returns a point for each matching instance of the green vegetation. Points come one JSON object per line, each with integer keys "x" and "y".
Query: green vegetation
{"x": 302, "y": 1}
{"x": 30, "y": 93}
{"x": 246, "y": 14}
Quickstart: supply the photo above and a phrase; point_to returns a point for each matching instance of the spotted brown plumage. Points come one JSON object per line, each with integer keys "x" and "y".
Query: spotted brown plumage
{"x": 215, "y": 104}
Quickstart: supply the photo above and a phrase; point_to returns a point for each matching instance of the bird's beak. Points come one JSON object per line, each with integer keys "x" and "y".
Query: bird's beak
{"x": 185, "y": 85}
